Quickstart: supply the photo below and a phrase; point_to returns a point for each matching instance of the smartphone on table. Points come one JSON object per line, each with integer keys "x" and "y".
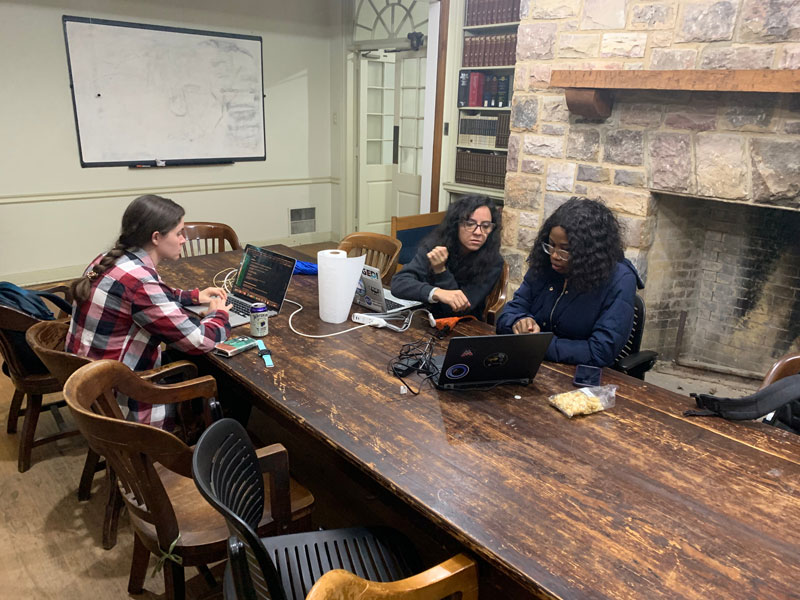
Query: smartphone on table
{"x": 587, "y": 376}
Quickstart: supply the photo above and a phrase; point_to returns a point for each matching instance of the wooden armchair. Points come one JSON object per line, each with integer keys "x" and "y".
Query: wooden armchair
{"x": 203, "y": 237}
{"x": 786, "y": 365}
{"x": 228, "y": 473}
{"x": 410, "y": 231}
{"x": 458, "y": 574}
{"x": 48, "y": 339}
{"x": 497, "y": 297}
{"x": 31, "y": 380}
{"x": 381, "y": 251}
{"x": 154, "y": 472}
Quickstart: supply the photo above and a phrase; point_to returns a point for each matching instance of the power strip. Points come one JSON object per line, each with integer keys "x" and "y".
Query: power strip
{"x": 368, "y": 320}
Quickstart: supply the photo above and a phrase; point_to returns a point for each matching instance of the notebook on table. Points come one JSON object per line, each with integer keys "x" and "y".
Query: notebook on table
{"x": 263, "y": 276}
{"x": 371, "y": 294}
{"x": 489, "y": 360}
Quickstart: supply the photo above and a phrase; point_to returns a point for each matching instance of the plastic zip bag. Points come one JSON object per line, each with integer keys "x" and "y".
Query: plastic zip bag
{"x": 585, "y": 401}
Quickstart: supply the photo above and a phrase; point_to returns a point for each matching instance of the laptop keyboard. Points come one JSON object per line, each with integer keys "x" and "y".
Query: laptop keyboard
{"x": 239, "y": 307}
{"x": 392, "y": 305}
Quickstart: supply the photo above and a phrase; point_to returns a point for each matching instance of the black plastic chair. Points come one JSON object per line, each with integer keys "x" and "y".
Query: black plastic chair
{"x": 631, "y": 360}
{"x": 227, "y": 473}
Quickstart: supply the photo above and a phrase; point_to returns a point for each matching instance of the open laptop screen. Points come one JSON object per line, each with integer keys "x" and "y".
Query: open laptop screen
{"x": 264, "y": 277}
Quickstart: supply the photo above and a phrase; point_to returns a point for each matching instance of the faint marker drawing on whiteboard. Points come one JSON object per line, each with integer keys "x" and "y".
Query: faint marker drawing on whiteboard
{"x": 143, "y": 93}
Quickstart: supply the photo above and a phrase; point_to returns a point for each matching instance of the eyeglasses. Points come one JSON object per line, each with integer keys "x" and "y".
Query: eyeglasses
{"x": 553, "y": 251}
{"x": 486, "y": 226}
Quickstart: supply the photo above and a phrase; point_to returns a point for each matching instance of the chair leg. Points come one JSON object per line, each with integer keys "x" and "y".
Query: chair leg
{"x": 141, "y": 556}
{"x": 13, "y": 411}
{"x": 113, "y": 508}
{"x": 29, "y": 431}
{"x": 174, "y": 582}
{"x": 207, "y": 575}
{"x": 87, "y": 476}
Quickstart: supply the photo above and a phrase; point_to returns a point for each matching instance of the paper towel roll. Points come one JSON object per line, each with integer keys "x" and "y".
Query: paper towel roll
{"x": 337, "y": 280}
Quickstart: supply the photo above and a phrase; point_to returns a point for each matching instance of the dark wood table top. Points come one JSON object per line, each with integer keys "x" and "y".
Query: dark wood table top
{"x": 635, "y": 502}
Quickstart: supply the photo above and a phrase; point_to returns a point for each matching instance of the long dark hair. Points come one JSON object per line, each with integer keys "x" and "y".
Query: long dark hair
{"x": 595, "y": 242}
{"x": 471, "y": 264}
{"x": 144, "y": 216}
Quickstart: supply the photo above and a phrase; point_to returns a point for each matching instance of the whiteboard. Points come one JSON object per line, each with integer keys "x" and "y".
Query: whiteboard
{"x": 150, "y": 95}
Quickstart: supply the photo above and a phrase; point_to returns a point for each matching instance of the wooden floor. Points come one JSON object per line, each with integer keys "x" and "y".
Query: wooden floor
{"x": 49, "y": 542}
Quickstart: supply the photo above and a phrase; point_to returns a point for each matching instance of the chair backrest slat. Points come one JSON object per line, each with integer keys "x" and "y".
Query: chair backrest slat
{"x": 205, "y": 237}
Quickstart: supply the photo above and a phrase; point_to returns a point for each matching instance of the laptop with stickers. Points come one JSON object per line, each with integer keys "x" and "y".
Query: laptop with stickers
{"x": 489, "y": 360}
{"x": 371, "y": 294}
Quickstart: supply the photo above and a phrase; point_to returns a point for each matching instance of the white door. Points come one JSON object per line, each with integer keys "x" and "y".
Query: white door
{"x": 409, "y": 123}
{"x": 376, "y": 204}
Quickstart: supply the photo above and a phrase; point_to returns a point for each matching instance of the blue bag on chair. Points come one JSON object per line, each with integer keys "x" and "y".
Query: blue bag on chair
{"x": 29, "y": 301}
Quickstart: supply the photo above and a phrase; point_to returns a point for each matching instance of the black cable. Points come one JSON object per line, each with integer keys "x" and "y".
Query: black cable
{"x": 415, "y": 358}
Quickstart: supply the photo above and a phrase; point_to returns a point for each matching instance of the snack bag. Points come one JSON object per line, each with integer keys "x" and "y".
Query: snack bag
{"x": 585, "y": 401}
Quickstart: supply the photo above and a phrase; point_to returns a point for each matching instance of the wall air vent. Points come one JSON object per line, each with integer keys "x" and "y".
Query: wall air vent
{"x": 302, "y": 220}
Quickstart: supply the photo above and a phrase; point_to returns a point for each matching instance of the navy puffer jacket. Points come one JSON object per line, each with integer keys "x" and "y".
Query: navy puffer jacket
{"x": 590, "y": 328}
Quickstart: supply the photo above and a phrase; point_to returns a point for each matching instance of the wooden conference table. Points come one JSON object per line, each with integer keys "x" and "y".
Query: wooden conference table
{"x": 634, "y": 502}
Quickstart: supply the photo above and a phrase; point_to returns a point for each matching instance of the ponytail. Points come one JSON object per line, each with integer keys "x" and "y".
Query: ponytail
{"x": 82, "y": 288}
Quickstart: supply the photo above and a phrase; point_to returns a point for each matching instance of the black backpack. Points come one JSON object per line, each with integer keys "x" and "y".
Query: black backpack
{"x": 29, "y": 302}
{"x": 781, "y": 397}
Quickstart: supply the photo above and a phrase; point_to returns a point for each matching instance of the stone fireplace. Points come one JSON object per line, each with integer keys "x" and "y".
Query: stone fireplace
{"x": 706, "y": 184}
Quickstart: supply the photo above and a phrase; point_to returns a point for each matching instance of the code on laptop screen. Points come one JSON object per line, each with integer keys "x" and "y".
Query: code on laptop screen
{"x": 264, "y": 277}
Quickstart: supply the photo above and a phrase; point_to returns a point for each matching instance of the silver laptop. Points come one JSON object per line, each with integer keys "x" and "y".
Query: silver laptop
{"x": 489, "y": 360}
{"x": 263, "y": 276}
{"x": 371, "y": 294}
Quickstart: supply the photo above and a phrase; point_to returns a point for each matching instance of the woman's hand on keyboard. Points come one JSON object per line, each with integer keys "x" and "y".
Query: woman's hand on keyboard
{"x": 212, "y": 292}
{"x": 218, "y": 303}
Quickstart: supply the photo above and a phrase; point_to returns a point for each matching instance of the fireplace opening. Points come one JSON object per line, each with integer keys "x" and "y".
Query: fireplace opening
{"x": 723, "y": 285}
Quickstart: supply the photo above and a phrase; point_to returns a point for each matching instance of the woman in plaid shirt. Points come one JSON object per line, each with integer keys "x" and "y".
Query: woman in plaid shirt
{"x": 123, "y": 311}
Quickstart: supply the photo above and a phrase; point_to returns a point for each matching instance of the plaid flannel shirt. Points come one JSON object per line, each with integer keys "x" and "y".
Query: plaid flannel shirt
{"x": 130, "y": 311}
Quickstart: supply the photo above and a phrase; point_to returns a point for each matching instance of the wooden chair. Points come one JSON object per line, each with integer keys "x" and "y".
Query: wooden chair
{"x": 412, "y": 230}
{"x": 48, "y": 339}
{"x": 497, "y": 297}
{"x": 228, "y": 474}
{"x": 154, "y": 472}
{"x": 31, "y": 380}
{"x": 631, "y": 360}
{"x": 786, "y": 365}
{"x": 458, "y": 574}
{"x": 381, "y": 251}
{"x": 203, "y": 237}
{"x": 788, "y": 416}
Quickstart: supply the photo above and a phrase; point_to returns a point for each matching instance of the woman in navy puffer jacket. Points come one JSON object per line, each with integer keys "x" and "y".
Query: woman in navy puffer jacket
{"x": 579, "y": 286}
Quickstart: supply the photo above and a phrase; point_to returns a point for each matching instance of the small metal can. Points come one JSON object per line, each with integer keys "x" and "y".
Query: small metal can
{"x": 259, "y": 327}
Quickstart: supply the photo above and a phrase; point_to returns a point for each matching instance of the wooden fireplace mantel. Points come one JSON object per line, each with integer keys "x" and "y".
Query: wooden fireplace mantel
{"x": 589, "y": 93}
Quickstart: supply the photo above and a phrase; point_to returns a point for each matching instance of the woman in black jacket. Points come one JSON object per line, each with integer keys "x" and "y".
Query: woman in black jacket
{"x": 458, "y": 264}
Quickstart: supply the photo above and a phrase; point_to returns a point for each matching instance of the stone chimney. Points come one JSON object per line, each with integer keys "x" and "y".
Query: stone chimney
{"x": 664, "y": 156}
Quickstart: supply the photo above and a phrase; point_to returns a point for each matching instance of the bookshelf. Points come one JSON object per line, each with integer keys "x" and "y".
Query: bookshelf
{"x": 485, "y": 87}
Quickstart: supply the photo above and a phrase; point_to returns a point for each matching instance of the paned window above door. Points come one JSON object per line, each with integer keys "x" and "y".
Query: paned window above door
{"x": 389, "y": 20}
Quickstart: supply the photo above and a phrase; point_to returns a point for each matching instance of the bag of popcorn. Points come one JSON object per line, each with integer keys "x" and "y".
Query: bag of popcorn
{"x": 585, "y": 401}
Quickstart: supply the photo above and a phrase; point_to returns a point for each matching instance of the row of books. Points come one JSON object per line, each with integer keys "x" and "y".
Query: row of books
{"x": 489, "y": 132}
{"x": 484, "y": 90}
{"x": 486, "y": 12}
{"x": 481, "y": 168}
{"x": 490, "y": 50}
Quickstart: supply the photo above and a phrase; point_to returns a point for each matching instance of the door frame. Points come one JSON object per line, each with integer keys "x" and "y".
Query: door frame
{"x": 434, "y": 104}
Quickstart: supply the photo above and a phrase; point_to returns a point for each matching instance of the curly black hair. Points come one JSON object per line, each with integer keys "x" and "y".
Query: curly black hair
{"x": 471, "y": 264}
{"x": 595, "y": 242}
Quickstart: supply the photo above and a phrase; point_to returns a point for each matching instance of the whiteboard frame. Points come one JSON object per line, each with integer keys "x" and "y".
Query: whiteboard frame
{"x": 165, "y": 161}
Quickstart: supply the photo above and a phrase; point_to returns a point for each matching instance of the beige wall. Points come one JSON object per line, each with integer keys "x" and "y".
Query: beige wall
{"x": 56, "y": 216}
